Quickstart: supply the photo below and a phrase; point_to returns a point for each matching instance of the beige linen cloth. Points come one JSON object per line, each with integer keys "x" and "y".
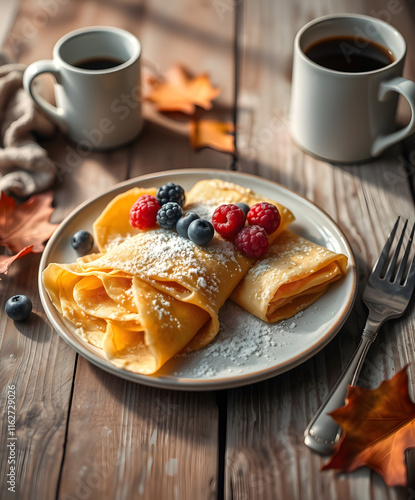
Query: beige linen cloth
{"x": 25, "y": 167}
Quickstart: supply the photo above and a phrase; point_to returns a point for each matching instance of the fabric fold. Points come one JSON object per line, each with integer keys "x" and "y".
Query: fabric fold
{"x": 25, "y": 167}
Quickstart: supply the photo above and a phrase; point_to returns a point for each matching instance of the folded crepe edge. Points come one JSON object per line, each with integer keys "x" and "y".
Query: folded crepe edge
{"x": 108, "y": 230}
{"x": 266, "y": 296}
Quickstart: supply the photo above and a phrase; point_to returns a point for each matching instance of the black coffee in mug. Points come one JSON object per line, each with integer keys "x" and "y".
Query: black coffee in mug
{"x": 349, "y": 54}
{"x": 97, "y": 63}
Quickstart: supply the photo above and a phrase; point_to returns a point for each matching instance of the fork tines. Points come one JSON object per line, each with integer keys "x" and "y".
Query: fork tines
{"x": 386, "y": 267}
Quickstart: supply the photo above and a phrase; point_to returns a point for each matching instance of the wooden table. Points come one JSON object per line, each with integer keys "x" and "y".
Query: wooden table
{"x": 83, "y": 433}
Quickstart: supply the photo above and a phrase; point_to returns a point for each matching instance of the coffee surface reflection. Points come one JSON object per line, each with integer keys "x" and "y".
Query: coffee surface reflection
{"x": 97, "y": 63}
{"x": 349, "y": 54}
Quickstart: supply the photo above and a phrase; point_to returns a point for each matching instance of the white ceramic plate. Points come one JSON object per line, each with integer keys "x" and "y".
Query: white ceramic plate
{"x": 246, "y": 349}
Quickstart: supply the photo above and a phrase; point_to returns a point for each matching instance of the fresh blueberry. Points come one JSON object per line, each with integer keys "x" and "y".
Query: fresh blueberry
{"x": 82, "y": 242}
{"x": 184, "y": 222}
{"x": 169, "y": 214}
{"x": 171, "y": 192}
{"x": 18, "y": 307}
{"x": 200, "y": 231}
{"x": 244, "y": 207}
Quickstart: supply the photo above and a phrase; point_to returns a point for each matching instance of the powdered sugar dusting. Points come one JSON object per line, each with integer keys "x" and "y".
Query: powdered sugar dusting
{"x": 243, "y": 341}
{"x": 204, "y": 210}
{"x": 165, "y": 255}
{"x": 116, "y": 240}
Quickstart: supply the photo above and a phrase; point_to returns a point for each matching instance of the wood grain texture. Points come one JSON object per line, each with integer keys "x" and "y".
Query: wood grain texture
{"x": 192, "y": 34}
{"x": 265, "y": 454}
{"x": 40, "y": 366}
{"x": 130, "y": 441}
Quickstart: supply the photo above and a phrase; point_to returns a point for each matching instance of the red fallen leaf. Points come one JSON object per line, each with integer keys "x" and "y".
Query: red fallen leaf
{"x": 214, "y": 134}
{"x": 24, "y": 228}
{"x": 7, "y": 260}
{"x": 378, "y": 425}
{"x": 180, "y": 91}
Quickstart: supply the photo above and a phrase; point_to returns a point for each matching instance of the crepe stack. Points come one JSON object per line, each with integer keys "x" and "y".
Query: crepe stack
{"x": 149, "y": 294}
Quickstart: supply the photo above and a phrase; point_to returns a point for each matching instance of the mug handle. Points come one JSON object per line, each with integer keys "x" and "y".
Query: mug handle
{"x": 32, "y": 71}
{"x": 407, "y": 89}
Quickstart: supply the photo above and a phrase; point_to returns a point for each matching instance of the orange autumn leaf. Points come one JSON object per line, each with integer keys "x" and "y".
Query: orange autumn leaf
{"x": 180, "y": 91}
{"x": 24, "y": 228}
{"x": 214, "y": 134}
{"x": 378, "y": 426}
{"x": 7, "y": 260}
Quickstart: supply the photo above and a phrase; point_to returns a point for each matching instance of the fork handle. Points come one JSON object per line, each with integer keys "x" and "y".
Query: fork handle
{"x": 323, "y": 433}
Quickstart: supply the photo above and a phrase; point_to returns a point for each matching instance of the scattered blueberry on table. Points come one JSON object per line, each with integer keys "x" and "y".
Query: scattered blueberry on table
{"x": 18, "y": 307}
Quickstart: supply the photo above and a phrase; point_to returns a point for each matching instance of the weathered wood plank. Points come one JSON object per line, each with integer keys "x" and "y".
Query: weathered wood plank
{"x": 40, "y": 367}
{"x": 196, "y": 35}
{"x": 130, "y": 441}
{"x": 265, "y": 449}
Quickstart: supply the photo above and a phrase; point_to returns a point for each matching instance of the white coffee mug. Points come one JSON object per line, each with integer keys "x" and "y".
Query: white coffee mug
{"x": 343, "y": 116}
{"x": 97, "y": 90}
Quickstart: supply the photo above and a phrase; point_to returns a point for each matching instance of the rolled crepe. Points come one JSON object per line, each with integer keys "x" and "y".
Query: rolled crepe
{"x": 149, "y": 294}
{"x": 290, "y": 277}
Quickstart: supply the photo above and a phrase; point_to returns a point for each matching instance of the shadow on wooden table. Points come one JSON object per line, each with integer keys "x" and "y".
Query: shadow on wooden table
{"x": 82, "y": 172}
{"x": 132, "y": 427}
{"x": 35, "y": 323}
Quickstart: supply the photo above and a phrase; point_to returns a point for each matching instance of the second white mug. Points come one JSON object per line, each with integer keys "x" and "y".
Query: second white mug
{"x": 347, "y": 114}
{"x": 97, "y": 91}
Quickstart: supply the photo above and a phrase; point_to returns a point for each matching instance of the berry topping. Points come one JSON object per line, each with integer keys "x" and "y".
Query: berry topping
{"x": 82, "y": 242}
{"x": 265, "y": 215}
{"x": 244, "y": 207}
{"x": 184, "y": 222}
{"x": 143, "y": 213}
{"x": 228, "y": 220}
{"x": 18, "y": 307}
{"x": 171, "y": 192}
{"x": 201, "y": 231}
{"x": 169, "y": 214}
{"x": 252, "y": 241}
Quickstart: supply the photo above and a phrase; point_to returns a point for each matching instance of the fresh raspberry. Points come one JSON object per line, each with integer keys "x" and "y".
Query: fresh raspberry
{"x": 143, "y": 213}
{"x": 228, "y": 220}
{"x": 252, "y": 241}
{"x": 265, "y": 215}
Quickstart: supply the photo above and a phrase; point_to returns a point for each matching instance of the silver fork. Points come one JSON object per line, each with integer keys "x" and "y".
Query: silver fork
{"x": 386, "y": 295}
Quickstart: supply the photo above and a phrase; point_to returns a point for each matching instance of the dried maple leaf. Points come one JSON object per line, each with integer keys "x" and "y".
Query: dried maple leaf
{"x": 214, "y": 134}
{"x": 378, "y": 425}
{"x": 24, "y": 228}
{"x": 180, "y": 91}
